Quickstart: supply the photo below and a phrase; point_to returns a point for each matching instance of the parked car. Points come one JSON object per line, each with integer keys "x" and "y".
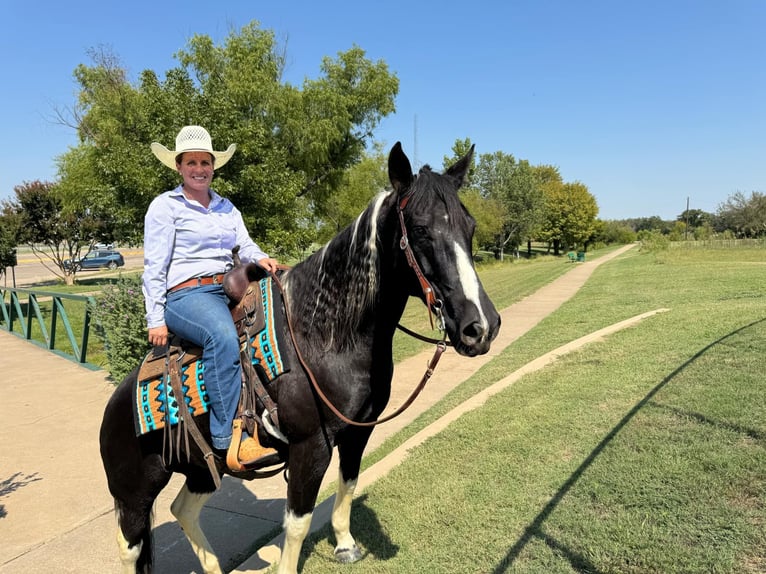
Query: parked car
{"x": 97, "y": 259}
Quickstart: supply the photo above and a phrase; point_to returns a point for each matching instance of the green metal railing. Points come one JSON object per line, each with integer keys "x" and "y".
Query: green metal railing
{"x": 38, "y": 315}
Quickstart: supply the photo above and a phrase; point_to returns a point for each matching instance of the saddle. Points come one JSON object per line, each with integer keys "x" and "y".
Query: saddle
{"x": 256, "y": 408}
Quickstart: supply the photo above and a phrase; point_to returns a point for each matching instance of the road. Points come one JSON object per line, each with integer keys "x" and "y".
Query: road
{"x": 33, "y": 272}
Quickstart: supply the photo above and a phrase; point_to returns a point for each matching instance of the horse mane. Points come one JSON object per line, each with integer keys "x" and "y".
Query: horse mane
{"x": 443, "y": 187}
{"x": 340, "y": 281}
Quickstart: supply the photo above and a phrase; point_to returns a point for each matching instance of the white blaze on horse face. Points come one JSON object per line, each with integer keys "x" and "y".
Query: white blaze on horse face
{"x": 470, "y": 282}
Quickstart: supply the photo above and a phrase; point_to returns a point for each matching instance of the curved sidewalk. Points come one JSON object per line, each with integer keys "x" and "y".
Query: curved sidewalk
{"x": 56, "y": 513}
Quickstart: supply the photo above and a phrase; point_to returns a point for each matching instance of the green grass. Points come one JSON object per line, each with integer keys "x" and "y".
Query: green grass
{"x": 642, "y": 453}
{"x": 75, "y": 311}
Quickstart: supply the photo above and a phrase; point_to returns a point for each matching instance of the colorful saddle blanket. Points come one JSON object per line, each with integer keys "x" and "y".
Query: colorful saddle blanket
{"x": 154, "y": 402}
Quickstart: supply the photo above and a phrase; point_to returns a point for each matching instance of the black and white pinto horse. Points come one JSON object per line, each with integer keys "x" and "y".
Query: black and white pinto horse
{"x": 344, "y": 301}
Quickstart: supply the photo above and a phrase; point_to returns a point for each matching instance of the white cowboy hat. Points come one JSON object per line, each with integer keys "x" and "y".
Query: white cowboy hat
{"x": 192, "y": 138}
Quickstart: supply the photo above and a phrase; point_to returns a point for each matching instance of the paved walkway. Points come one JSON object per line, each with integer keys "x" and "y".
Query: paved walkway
{"x": 56, "y": 513}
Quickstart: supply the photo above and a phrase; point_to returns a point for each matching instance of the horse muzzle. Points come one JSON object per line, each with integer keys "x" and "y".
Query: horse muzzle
{"x": 475, "y": 338}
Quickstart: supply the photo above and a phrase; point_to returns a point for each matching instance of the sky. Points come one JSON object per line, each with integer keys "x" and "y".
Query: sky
{"x": 651, "y": 104}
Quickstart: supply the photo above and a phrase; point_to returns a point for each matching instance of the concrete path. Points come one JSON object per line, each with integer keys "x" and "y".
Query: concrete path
{"x": 56, "y": 513}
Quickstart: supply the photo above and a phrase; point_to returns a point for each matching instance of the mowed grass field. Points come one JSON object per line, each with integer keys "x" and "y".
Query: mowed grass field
{"x": 641, "y": 453}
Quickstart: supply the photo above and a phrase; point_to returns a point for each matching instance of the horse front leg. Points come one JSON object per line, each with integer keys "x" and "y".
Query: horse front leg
{"x": 187, "y": 507}
{"x": 308, "y": 463}
{"x": 350, "y": 448}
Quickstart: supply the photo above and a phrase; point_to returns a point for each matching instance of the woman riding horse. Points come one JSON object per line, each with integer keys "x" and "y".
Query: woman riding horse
{"x": 342, "y": 305}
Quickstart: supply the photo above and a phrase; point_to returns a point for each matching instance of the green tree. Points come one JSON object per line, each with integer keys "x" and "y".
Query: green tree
{"x": 745, "y": 216}
{"x": 357, "y": 187}
{"x": 694, "y": 218}
{"x": 294, "y": 144}
{"x": 616, "y": 232}
{"x": 570, "y": 215}
{"x": 10, "y": 227}
{"x": 459, "y": 150}
{"x": 515, "y": 186}
{"x": 489, "y": 215}
{"x": 52, "y": 232}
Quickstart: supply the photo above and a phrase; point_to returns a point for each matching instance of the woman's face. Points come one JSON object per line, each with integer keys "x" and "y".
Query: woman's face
{"x": 196, "y": 167}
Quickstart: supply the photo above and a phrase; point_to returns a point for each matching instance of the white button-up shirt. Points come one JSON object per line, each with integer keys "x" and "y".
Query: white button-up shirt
{"x": 183, "y": 239}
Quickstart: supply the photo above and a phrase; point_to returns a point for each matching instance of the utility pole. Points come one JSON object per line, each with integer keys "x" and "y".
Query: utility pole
{"x": 686, "y": 229}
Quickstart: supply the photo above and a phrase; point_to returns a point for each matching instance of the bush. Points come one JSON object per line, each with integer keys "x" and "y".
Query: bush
{"x": 653, "y": 242}
{"x": 118, "y": 316}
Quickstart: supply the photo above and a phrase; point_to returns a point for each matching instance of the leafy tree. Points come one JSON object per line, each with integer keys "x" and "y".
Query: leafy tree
{"x": 53, "y": 233}
{"x": 616, "y": 232}
{"x": 10, "y": 227}
{"x": 746, "y": 216}
{"x": 355, "y": 190}
{"x": 515, "y": 186}
{"x": 489, "y": 215}
{"x": 653, "y": 223}
{"x": 695, "y": 218}
{"x": 294, "y": 144}
{"x": 571, "y": 213}
{"x": 459, "y": 150}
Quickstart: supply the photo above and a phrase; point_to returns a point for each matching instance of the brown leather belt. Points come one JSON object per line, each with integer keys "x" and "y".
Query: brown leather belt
{"x": 216, "y": 279}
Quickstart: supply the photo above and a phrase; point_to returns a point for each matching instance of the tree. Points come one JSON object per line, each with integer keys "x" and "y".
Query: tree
{"x": 695, "y": 218}
{"x": 294, "y": 144}
{"x": 616, "y": 232}
{"x": 356, "y": 188}
{"x": 489, "y": 215}
{"x": 515, "y": 186}
{"x": 53, "y": 233}
{"x": 459, "y": 150}
{"x": 10, "y": 226}
{"x": 746, "y": 216}
{"x": 571, "y": 213}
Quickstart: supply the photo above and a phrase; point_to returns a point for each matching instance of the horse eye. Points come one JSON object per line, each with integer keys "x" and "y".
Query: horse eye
{"x": 420, "y": 231}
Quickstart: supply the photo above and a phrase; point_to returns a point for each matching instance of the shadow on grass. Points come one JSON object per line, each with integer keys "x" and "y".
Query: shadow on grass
{"x": 367, "y": 532}
{"x": 535, "y": 528}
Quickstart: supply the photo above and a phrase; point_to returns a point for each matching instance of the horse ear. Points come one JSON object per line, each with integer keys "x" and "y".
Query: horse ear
{"x": 399, "y": 169}
{"x": 459, "y": 169}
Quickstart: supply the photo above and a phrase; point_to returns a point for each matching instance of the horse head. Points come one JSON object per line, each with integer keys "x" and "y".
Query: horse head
{"x": 438, "y": 230}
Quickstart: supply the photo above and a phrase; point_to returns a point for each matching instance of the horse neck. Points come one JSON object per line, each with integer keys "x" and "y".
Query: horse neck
{"x": 348, "y": 289}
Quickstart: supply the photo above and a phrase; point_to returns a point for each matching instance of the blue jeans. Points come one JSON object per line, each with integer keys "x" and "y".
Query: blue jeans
{"x": 201, "y": 315}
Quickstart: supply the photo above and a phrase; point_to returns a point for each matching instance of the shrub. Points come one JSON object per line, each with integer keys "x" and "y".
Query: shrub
{"x": 653, "y": 242}
{"x": 118, "y": 316}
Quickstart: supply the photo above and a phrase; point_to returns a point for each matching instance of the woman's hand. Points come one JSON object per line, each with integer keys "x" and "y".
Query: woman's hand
{"x": 269, "y": 264}
{"x": 158, "y": 336}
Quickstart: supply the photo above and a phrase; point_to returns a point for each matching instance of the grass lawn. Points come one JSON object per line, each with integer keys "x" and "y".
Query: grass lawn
{"x": 645, "y": 452}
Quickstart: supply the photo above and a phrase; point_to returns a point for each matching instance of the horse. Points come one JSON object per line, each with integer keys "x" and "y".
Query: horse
{"x": 342, "y": 305}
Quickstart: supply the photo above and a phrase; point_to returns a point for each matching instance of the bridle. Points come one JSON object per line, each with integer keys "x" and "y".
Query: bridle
{"x": 433, "y": 304}
{"x": 435, "y": 307}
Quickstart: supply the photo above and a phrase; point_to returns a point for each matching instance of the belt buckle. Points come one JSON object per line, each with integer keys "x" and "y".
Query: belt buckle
{"x": 216, "y": 279}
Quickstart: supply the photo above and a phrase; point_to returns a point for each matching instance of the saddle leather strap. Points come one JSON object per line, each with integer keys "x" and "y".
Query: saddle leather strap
{"x": 186, "y": 422}
{"x": 253, "y": 381}
{"x": 249, "y": 319}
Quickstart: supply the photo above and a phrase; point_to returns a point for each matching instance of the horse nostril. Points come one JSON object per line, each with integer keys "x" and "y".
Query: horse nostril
{"x": 472, "y": 332}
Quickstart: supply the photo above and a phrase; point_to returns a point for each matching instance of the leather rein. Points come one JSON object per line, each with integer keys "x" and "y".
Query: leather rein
{"x": 434, "y": 306}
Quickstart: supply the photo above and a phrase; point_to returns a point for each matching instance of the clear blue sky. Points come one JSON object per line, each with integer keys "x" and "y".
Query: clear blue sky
{"x": 647, "y": 103}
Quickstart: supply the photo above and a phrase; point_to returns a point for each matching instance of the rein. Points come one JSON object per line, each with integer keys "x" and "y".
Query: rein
{"x": 434, "y": 308}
